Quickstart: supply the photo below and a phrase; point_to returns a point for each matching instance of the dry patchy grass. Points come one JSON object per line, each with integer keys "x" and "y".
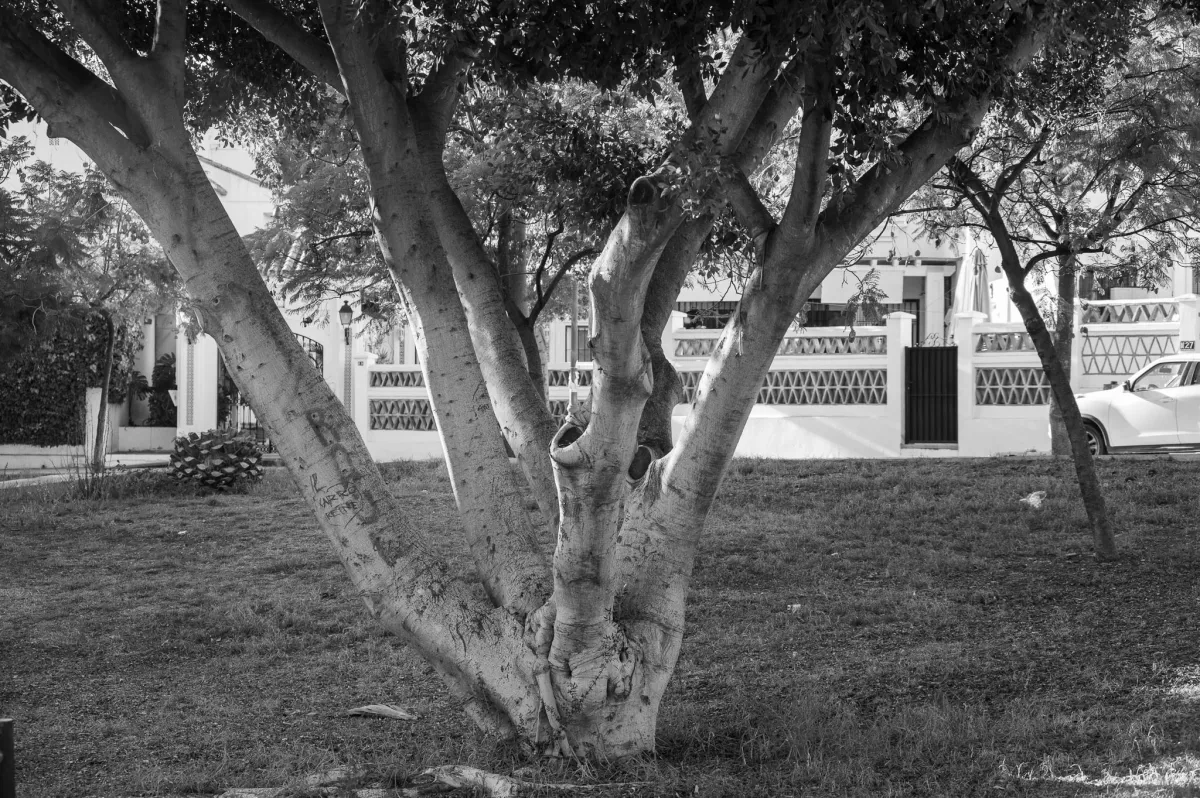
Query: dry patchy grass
{"x": 856, "y": 628}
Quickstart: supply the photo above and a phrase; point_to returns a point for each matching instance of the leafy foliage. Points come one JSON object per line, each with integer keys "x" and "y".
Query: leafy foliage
{"x": 542, "y": 170}
{"x": 42, "y": 387}
{"x": 1109, "y": 185}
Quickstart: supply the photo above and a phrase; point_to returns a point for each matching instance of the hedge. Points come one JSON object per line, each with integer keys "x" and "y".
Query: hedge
{"x": 43, "y": 389}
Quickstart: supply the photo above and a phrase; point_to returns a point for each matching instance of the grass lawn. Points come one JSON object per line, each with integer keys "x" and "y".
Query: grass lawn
{"x": 855, "y": 628}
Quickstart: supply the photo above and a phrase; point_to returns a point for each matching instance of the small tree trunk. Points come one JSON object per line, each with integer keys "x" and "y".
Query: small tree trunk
{"x": 533, "y": 355}
{"x": 1064, "y": 332}
{"x": 98, "y": 450}
{"x": 1085, "y": 469}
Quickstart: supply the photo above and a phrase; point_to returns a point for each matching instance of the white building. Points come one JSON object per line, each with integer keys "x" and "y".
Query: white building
{"x": 950, "y": 372}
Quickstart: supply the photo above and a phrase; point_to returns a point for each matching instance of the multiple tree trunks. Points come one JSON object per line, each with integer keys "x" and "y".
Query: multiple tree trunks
{"x": 572, "y": 655}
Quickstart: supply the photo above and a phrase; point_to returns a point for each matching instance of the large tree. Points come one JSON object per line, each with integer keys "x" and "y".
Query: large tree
{"x": 571, "y": 654}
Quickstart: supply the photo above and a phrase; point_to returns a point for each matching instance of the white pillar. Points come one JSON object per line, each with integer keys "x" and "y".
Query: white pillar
{"x": 964, "y": 337}
{"x": 1189, "y": 323}
{"x": 899, "y": 338}
{"x": 558, "y": 345}
{"x": 196, "y": 376}
{"x": 1077, "y": 345}
{"x": 360, "y": 406}
{"x": 333, "y": 343}
{"x": 933, "y": 328}
{"x": 675, "y": 322}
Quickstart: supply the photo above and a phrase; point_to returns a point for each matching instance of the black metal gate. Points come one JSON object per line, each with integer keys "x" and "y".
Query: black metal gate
{"x": 234, "y": 411}
{"x": 931, "y": 394}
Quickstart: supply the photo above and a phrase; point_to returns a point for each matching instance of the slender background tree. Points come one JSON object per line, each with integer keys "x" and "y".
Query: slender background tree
{"x": 1101, "y": 179}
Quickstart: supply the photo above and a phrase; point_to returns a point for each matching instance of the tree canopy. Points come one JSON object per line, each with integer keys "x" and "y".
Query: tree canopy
{"x": 68, "y": 248}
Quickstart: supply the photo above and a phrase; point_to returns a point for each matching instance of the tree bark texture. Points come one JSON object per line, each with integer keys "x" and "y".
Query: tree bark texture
{"x": 1064, "y": 333}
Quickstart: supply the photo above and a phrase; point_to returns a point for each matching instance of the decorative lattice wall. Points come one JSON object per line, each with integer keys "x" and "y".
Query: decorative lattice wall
{"x": 411, "y": 415}
{"x": 812, "y": 387}
{"x": 1124, "y": 354}
{"x": 561, "y": 378}
{"x": 1011, "y": 386}
{"x": 397, "y": 379}
{"x": 1131, "y": 313}
{"x": 834, "y": 345}
{"x": 694, "y": 347}
{"x": 1004, "y": 342}
{"x": 797, "y": 345}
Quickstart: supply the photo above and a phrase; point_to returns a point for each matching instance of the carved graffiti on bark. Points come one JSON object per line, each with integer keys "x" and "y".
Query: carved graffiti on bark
{"x": 344, "y": 497}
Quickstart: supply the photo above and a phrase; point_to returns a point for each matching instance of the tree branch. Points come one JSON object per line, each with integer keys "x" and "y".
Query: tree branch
{"x": 1041, "y": 256}
{"x": 1007, "y": 176}
{"x": 691, "y": 86}
{"x": 562, "y": 270}
{"x": 120, "y": 61}
{"x": 288, "y": 35}
{"x": 778, "y": 108}
{"x": 812, "y": 158}
{"x": 170, "y": 44}
{"x": 736, "y": 100}
{"x": 439, "y": 96}
{"x": 66, "y": 94}
{"x": 551, "y": 237}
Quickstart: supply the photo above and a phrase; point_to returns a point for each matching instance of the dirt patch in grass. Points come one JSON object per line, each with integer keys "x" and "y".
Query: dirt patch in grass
{"x": 855, "y": 628}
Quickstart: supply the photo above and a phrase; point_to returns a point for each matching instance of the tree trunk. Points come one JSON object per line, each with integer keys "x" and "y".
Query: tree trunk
{"x": 1064, "y": 333}
{"x": 478, "y": 648}
{"x": 598, "y": 693}
{"x": 511, "y": 250}
{"x": 98, "y": 451}
{"x": 1085, "y": 469}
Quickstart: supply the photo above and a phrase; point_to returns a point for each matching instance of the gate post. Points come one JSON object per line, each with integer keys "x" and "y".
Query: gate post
{"x": 196, "y": 376}
{"x": 964, "y": 338}
{"x": 1077, "y": 344}
{"x": 360, "y": 404}
{"x": 1189, "y": 323}
{"x": 8, "y": 763}
{"x": 899, "y": 338}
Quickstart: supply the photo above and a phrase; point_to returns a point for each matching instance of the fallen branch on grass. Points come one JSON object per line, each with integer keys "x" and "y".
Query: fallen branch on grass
{"x": 384, "y": 711}
{"x": 492, "y": 784}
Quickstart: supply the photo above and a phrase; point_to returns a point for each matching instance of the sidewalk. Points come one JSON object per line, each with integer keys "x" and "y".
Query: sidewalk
{"x": 123, "y": 460}
{"x": 118, "y": 460}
